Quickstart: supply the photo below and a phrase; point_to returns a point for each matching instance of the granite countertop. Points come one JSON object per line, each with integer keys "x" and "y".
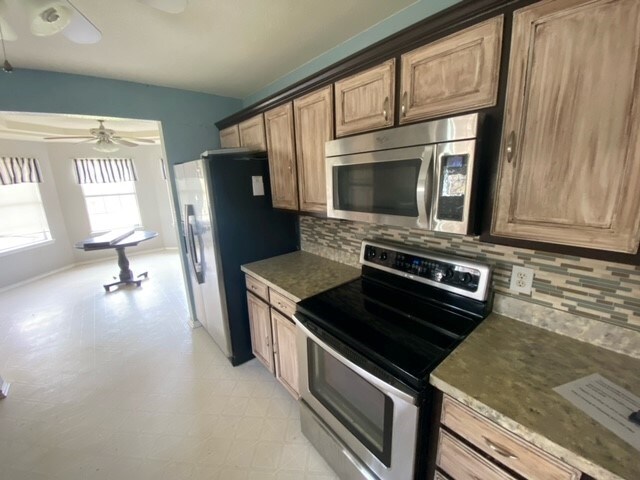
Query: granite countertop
{"x": 506, "y": 370}
{"x": 299, "y": 275}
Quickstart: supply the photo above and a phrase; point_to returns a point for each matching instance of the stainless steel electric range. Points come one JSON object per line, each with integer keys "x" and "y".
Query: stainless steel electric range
{"x": 366, "y": 349}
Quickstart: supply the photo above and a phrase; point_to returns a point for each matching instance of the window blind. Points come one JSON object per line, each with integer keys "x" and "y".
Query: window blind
{"x": 19, "y": 170}
{"x": 104, "y": 170}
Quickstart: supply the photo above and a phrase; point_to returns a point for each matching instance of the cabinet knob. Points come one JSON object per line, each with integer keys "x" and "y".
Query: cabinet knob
{"x": 385, "y": 109}
{"x": 511, "y": 146}
{"x": 403, "y": 107}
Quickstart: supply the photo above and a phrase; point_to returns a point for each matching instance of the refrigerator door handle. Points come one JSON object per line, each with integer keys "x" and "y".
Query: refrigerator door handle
{"x": 192, "y": 248}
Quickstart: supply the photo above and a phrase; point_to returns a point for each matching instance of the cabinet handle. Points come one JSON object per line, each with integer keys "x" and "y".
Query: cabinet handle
{"x": 511, "y": 146}
{"x": 499, "y": 449}
{"x": 385, "y": 109}
{"x": 266, "y": 340}
{"x": 404, "y": 104}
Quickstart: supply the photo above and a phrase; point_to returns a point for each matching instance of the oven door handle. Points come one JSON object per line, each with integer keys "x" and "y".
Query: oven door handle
{"x": 369, "y": 377}
{"x": 424, "y": 190}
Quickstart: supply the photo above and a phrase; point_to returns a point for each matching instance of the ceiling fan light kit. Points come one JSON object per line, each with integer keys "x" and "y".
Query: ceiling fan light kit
{"x": 49, "y": 17}
{"x": 105, "y": 146}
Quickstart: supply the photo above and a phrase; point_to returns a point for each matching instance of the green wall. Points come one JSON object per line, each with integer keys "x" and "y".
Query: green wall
{"x": 188, "y": 118}
{"x": 399, "y": 21}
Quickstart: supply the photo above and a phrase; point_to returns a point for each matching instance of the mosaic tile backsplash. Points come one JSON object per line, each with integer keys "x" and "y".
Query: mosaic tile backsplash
{"x": 604, "y": 291}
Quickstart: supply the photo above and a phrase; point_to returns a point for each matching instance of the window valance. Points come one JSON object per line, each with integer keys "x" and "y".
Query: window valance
{"x": 105, "y": 170}
{"x": 19, "y": 170}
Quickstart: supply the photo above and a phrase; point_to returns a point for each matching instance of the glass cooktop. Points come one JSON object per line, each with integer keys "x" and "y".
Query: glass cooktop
{"x": 403, "y": 333}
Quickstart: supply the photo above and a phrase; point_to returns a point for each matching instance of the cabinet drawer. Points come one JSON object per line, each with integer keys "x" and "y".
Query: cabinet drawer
{"x": 257, "y": 287}
{"x": 281, "y": 303}
{"x": 461, "y": 462}
{"x": 505, "y": 447}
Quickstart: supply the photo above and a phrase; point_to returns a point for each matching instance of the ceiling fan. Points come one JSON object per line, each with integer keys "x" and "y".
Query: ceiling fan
{"x": 105, "y": 139}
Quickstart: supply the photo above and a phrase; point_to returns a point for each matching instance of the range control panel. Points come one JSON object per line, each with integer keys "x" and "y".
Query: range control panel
{"x": 450, "y": 273}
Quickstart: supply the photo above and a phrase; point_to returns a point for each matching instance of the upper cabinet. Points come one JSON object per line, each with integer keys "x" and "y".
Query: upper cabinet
{"x": 252, "y": 133}
{"x": 455, "y": 74}
{"x": 365, "y": 101}
{"x": 282, "y": 156}
{"x": 569, "y": 168}
{"x": 313, "y": 114}
{"x": 230, "y": 137}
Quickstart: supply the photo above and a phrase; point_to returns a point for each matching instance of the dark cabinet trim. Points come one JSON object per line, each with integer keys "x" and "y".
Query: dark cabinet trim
{"x": 450, "y": 20}
{"x": 439, "y": 25}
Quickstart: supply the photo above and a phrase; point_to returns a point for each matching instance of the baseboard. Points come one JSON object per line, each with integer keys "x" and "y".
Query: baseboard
{"x": 79, "y": 264}
{"x": 36, "y": 278}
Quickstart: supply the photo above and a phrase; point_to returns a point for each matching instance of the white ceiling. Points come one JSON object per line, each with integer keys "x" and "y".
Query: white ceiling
{"x": 228, "y": 47}
{"x": 34, "y": 127}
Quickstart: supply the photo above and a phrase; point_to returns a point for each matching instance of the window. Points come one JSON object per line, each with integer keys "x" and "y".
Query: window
{"x": 111, "y": 205}
{"x": 23, "y": 221}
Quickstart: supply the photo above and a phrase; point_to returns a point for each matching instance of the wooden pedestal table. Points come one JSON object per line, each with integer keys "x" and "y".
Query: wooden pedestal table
{"x": 126, "y": 275}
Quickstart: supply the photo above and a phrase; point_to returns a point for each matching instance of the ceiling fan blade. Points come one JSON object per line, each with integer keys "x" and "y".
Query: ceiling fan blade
{"x": 126, "y": 143}
{"x": 168, "y": 6}
{"x": 81, "y": 29}
{"x": 134, "y": 139}
{"x": 71, "y": 137}
{"x": 8, "y": 33}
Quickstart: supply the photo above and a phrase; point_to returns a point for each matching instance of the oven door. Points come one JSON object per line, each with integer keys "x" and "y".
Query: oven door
{"x": 389, "y": 187}
{"x": 370, "y": 418}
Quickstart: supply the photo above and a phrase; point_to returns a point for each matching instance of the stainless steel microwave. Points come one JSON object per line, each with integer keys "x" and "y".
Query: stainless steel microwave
{"x": 419, "y": 176}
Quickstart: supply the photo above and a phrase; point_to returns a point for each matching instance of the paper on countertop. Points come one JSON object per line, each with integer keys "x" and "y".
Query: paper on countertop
{"x": 607, "y": 403}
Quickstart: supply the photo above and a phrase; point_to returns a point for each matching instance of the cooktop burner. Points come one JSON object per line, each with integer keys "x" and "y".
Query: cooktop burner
{"x": 406, "y": 327}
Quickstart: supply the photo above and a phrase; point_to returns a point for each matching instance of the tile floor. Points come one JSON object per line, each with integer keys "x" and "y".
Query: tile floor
{"x": 118, "y": 386}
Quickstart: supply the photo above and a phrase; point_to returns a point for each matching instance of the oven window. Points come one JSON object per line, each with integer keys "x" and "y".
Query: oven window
{"x": 387, "y": 188}
{"x": 363, "y": 409}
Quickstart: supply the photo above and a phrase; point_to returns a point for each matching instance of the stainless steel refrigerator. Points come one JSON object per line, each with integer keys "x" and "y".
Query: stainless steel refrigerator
{"x": 228, "y": 220}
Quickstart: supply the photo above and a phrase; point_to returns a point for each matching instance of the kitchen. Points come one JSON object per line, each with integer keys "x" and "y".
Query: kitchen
{"x": 499, "y": 413}
{"x": 584, "y": 274}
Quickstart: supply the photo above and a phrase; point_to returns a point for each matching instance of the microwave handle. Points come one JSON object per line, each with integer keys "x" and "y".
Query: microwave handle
{"x": 424, "y": 191}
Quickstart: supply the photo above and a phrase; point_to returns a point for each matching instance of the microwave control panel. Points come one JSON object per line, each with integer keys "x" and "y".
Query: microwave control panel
{"x": 452, "y": 187}
{"x": 423, "y": 266}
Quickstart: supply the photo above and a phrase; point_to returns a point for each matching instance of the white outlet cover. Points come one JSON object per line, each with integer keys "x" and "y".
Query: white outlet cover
{"x": 258, "y": 186}
{"x": 521, "y": 279}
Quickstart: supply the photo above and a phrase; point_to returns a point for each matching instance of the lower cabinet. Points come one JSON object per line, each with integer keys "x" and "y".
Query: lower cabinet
{"x": 273, "y": 333}
{"x": 285, "y": 353}
{"x": 260, "y": 326}
{"x": 487, "y": 448}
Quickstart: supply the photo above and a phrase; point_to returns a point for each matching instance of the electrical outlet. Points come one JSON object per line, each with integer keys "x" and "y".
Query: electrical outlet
{"x": 521, "y": 279}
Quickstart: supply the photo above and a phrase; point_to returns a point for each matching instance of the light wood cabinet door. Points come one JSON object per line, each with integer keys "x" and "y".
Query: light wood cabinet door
{"x": 365, "y": 101}
{"x": 252, "y": 133}
{"x": 282, "y": 157}
{"x": 230, "y": 137}
{"x": 570, "y": 163}
{"x": 455, "y": 74}
{"x": 313, "y": 114}
{"x": 260, "y": 326}
{"x": 286, "y": 354}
